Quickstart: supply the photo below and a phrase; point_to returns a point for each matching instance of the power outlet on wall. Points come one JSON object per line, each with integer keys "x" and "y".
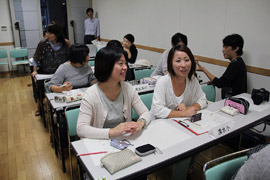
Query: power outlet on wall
{"x": 3, "y": 28}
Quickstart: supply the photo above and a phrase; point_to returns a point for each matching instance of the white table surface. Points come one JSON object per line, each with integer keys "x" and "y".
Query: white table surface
{"x": 178, "y": 150}
{"x": 62, "y": 105}
{"x": 40, "y": 77}
{"x": 142, "y": 88}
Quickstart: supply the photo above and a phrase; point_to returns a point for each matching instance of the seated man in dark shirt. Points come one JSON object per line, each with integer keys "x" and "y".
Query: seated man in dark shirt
{"x": 234, "y": 79}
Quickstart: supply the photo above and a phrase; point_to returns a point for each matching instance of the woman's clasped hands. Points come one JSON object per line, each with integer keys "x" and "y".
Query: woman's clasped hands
{"x": 189, "y": 111}
{"x": 126, "y": 128}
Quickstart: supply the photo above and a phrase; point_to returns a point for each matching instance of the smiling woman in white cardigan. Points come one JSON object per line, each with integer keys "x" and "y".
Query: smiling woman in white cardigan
{"x": 106, "y": 106}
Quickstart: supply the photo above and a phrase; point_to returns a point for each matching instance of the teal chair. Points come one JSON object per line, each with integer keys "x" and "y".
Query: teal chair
{"x": 21, "y": 54}
{"x": 72, "y": 114}
{"x": 3, "y": 55}
{"x": 91, "y": 63}
{"x": 210, "y": 92}
{"x": 139, "y": 74}
{"x": 223, "y": 168}
{"x": 147, "y": 100}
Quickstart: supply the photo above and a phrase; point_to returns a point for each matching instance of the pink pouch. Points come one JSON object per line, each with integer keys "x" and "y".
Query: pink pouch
{"x": 240, "y": 104}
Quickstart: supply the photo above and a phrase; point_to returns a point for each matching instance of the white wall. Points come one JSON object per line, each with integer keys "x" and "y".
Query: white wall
{"x": 28, "y": 14}
{"x": 77, "y": 12}
{"x": 32, "y": 24}
{"x": 5, "y": 36}
{"x": 206, "y": 23}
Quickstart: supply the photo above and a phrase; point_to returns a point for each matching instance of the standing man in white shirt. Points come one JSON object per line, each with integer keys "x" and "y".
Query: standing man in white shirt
{"x": 91, "y": 26}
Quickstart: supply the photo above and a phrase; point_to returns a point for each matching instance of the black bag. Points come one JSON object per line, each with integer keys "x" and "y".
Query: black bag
{"x": 259, "y": 95}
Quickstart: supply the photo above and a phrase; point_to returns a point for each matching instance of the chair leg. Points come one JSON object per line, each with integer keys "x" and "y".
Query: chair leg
{"x": 70, "y": 161}
{"x": 12, "y": 71}
{"x": 240, "y": 141}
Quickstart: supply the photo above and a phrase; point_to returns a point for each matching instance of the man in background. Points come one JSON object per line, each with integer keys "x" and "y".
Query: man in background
{"x": 91, "y": 26}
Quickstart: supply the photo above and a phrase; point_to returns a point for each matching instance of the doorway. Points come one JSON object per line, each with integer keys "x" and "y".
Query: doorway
{"x": 54, "y": 10}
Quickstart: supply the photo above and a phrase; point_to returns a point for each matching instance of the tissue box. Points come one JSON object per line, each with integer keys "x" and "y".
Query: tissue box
{"x": 73, "y": 97}
{"x": 149, "y": 80}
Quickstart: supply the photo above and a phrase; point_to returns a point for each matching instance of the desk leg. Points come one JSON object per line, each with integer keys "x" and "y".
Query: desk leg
{"x": 61, "y": 127}
{"x": 34, "y": 87}
{"x": 40, "y": 103}
{"x": 54, "y": 131}
{"x": 80, "y": 170}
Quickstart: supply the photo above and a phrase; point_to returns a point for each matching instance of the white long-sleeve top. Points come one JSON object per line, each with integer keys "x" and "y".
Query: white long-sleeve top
{"x": 93, "y": 114}
{"x": 161, "y": 68}
{"x": 164, "y": 99}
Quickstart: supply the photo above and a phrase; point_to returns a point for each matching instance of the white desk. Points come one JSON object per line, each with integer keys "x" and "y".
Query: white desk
{"x": 144, "y": 88}
{"x": 61, "y": 125}
{"x": 62, "y": 105}
{"x": 58, "y": 132}
{"x": 40, "y": 77}
{"x": 176, "y": 151}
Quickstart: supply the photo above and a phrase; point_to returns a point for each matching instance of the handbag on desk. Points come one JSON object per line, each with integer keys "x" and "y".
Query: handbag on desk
{"x": 240, "y": 104}
{"x": 117, "y": 161}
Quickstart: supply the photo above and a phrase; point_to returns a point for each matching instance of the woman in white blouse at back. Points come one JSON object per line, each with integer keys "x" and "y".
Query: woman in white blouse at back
{"x": 178, "y": 94}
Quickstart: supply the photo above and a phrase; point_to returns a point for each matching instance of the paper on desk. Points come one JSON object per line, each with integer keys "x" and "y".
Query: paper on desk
{"x": 155, "y": 134}
{"x": 73, "y": 92}
{"x": 209, "y": 121}
{"x": 44, "y": 76}
{"x": 259, "y": 108}
{"x": 94, "y": 145}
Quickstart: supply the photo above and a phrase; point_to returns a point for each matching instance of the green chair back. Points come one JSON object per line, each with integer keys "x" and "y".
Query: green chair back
{"x": 225, "y": 170}
{"x": 18, "y": 53}
{"x": 139, "y": 74}
{"x": 147, "y": 100}
{"x": 46, "y": 87}
{"x": 91, "y": 63}
{"x": 210, "y": 92}
{"x": 3, "y": 53}
{"x": 72, "y": 117}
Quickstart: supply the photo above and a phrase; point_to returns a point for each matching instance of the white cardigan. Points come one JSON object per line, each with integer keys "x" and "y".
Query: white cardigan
{"x": 93, "y": 114}
{"x": 164, "y": 99}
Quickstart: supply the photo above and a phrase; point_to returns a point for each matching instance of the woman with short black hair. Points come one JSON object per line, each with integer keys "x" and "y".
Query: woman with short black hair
{"x": 106, "y": 106}
{"x": 130, "y": 48}
{"x": 76, "y": 73}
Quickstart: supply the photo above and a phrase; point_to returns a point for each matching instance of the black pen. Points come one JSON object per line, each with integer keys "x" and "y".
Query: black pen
{"x": 183, "y": 123}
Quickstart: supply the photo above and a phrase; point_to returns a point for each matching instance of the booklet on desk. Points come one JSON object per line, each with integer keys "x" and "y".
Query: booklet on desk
{"x": 209, "y": 121}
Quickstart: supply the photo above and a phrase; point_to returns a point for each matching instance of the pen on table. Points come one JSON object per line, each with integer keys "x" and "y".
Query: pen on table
{"x": 86, "y": 154}
{"x": 183, "y": 123}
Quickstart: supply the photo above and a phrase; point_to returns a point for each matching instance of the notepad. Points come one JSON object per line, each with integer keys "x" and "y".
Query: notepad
{"x": 94, "y": 145}
{"x": 209, "y": 121}
{"x": 154, "y": 135}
